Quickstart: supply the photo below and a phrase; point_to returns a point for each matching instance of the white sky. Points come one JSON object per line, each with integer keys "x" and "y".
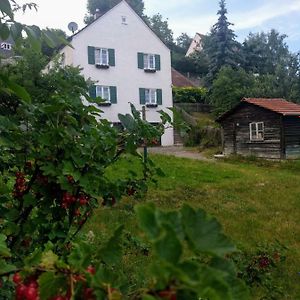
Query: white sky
{"x": 184, "y": 15}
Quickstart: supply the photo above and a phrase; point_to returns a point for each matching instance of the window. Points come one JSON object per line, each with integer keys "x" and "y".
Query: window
{"x": 103, "y": 92}
{"x": 124, "y": 20}
{"x": 6, "y": 46}
{"x": 101, "y": 56}
{"x": 149, "y": 61}
{"x": 150, "y": 97}
{"x": 256, "y": 131}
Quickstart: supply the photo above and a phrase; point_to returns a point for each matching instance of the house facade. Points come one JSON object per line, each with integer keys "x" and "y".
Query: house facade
{"x": 127, "y": 62}
{"x": 196, "y": 44}
{"x": 268, "y": 128}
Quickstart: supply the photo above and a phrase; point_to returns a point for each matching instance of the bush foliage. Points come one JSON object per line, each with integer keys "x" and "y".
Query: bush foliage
{"x": 189, "y": 94}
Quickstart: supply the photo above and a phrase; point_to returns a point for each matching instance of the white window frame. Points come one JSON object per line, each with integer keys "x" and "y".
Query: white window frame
{"x": 102, "y": 56}
{"x": 103, "y": 92}
{"x": 150, "y": 97}
{"x": 149, "y": 61}
{"x": 6, "y": 46}
{"x": 257, "y": 131}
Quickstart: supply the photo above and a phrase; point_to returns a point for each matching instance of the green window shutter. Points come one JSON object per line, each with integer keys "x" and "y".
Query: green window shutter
{"x": 157, "y": 62}
{"x": 113, "y": 94}
{"x": 91, "y": 55}
{"x": 159, "y": 96}
{"x": 92, "y": 91}
{"x": 140, "y": 60}
{"x": 142, "y": 96}
{"x": 111, "y": 57}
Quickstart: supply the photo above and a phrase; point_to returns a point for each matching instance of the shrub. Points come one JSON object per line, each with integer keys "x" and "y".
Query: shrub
{"x": 189, "y": 95}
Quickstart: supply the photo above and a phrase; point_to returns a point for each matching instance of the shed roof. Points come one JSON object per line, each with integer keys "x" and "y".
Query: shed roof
{"x": 180, "y": 80}
{"x": 277, "y": 105}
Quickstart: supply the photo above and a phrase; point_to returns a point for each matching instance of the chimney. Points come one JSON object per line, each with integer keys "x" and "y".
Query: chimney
{"x": 97, "y": 14}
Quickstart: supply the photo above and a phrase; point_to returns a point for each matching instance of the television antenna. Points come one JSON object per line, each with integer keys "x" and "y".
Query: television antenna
{"x": 72, "y": 26}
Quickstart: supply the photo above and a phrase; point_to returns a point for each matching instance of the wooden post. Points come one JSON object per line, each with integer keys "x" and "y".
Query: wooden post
{"x": 145, "y": 141}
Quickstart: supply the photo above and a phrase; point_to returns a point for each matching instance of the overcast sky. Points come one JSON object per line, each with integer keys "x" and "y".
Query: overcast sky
{"x": 187, "y": 15}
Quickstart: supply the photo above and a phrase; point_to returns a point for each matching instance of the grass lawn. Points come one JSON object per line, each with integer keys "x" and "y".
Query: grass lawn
{"x": 256, "y": 202}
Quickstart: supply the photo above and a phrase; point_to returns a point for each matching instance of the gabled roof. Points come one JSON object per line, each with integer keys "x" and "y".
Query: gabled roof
{"x": 104, "y": 14}
{"x": 179, "y": 80}
{"x": 277, "y": 105}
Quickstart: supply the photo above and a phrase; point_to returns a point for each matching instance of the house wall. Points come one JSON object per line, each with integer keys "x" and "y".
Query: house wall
{"x": 292, "y": 137}
{"x": 237, "y": 124}
{"x": 127, "y": 40}
{"x": 196, "y": 45}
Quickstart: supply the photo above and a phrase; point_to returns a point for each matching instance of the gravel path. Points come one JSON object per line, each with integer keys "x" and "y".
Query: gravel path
{"x": 178, "y": 151}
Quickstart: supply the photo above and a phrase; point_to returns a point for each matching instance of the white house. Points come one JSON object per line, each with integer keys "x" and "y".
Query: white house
{"x": 196, "y": 44}
{"x": 128, "y": 62}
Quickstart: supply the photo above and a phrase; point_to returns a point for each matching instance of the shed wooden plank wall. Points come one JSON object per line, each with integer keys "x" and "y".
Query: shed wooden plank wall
{"x": 240, "y": 119}
{"x": 292, "y": 137}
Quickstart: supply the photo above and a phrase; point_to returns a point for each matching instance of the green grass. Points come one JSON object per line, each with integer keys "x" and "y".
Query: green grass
{"x": 256, "y": 202}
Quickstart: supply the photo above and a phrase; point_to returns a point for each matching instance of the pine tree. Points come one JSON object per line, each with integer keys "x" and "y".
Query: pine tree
{"x": 221, "y": 46}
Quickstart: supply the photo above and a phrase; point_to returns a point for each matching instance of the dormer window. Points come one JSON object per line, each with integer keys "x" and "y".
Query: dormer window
{"x": 6, "y": 46}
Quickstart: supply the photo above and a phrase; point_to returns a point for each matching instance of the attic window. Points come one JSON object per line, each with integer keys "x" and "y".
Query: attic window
{"x": 256, "y": 131}
{"x": 124, "y": 20}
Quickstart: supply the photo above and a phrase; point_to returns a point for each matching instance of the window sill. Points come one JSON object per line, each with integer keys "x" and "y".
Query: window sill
{"x": 102, "y": 66}
{"x": 149, "y": 70}
{"x": 151, "y": 105}
{"x": 104, "y": 104}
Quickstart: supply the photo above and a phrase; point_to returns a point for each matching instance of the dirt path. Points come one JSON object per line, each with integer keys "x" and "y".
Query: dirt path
{"x": 178, "y": 151}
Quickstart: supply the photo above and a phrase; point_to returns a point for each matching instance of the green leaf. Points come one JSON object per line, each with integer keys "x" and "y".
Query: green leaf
{"x": 111, "y": 253}
{"x": 6, "y": 268}
{"x": 168, "y": 246}
{"x": 127, "y": 121}
{"x": 5, "y": 7}
{"x": 16, "y": 89}
{"x": 147, "y": 219}
{"x": 204, "y": 233}
{"x": 4, "y": 31}
{"x": 50, "y": 285}
{"x": 4, "y": 251}
{"x": 48, "y": 260}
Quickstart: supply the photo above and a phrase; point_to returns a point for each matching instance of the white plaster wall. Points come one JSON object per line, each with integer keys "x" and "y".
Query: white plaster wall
{"x": 127, "y": 40}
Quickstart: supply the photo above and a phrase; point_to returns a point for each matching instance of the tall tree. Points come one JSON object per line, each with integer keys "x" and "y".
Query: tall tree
{"x": 184, "y": 41}
{"x": 221, "y": 46}
{"x": 161, "y": 28}
{"x": 105, "y": 5}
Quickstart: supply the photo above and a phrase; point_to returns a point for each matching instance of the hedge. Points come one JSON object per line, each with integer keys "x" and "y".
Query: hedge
{"x": 189, "y": 94}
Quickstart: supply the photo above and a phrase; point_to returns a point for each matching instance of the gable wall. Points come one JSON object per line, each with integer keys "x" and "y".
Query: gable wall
{"x": 240, "y": 119}
{"x": 127, "y": 40}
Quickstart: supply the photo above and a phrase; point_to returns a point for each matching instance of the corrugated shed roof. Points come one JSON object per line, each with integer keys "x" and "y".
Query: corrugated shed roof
{"x": 280, "y": 106}
{"x": 179, "y": 80}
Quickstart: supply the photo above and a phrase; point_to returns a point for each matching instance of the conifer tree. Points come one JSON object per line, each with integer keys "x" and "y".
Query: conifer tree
{"x": 221, "y": 46}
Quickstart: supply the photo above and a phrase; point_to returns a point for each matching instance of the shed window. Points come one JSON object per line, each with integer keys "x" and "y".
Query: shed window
{"x": 257, "y": 131}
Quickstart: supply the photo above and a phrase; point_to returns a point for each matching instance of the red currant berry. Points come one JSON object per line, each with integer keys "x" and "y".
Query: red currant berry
{"x": 17, "y": 279}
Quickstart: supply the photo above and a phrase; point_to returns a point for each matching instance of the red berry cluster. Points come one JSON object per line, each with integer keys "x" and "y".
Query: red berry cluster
{"x": 26, "y": 291}
{"x": 264, "y": 262}
{"x": 20, "y": 185}
{"x": 168, "y": 294}
{"x": 67, "y": 200}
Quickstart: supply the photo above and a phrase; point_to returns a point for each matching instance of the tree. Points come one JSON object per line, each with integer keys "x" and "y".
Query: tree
{"x": 221, "y": 46}
{"x": 105, "y": 5}
{"x": 184, "y": 42}
{"x": 230, "y": 86}
{"x": 161, "y": 28}
{"x": 263, "y": 52}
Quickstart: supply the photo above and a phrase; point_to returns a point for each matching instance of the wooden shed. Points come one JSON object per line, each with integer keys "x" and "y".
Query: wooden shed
{"x": 268, "y": 128}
